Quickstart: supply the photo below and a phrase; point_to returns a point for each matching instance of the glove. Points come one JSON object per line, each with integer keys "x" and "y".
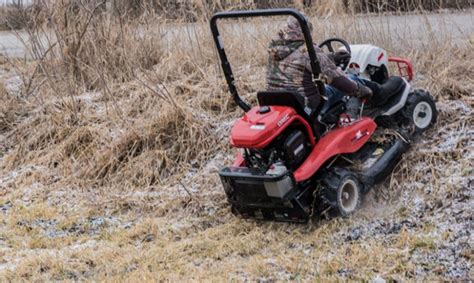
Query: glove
{"x": 363, "y": 92}
{"x": 341, "y": 57}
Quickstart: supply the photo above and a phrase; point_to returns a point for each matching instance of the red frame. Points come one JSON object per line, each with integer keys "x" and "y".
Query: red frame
{"x": 405, "y": 67}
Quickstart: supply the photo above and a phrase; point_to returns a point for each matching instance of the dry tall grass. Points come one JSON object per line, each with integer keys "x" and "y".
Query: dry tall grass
{"x": 112, "y": 144}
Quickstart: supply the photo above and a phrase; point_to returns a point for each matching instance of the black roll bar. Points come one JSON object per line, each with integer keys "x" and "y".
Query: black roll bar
{"x": 260, "y": 13}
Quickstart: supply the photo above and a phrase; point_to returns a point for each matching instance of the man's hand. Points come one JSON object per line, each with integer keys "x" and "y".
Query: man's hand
{"x": 363, "y": 92}
{"x": 341, "y": 57}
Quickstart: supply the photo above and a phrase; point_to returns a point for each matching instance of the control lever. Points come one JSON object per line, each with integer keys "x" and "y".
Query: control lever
{"x": 362, "y": 107}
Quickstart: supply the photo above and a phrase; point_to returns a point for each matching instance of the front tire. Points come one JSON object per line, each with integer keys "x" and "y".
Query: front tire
{"x": 341, "y": 192}
{"x": 420, "y": 111}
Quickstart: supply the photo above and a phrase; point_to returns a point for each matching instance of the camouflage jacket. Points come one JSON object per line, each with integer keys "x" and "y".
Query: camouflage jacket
{"x": 289, "y": 64}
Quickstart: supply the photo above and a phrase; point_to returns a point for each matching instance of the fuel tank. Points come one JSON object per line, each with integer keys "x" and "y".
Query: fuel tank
{"x": 259, "y": 126}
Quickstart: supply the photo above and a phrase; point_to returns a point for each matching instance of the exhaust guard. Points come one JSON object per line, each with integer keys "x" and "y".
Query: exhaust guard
{"x": 255, "y": 194}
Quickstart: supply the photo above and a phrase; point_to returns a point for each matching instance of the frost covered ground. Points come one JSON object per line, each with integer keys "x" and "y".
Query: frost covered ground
{"x": 88, "y": 192}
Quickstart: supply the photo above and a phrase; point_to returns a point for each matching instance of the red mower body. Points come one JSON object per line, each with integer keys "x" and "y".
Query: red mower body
{"x": 257, "y": 130}
{"x": 346, "y": 139}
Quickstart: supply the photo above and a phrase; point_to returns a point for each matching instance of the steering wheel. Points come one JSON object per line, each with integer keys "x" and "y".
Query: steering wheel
{"x": 328, "y": 43}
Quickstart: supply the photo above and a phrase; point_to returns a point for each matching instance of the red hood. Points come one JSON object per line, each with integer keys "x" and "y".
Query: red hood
{"x": 256, "y": 130}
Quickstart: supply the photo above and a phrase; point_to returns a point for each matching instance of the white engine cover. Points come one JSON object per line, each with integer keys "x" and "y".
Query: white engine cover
{"x": 367, "y": 54}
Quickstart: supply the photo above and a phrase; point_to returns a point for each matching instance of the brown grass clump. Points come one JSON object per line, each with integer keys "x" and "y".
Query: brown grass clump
{"x": 111, "y": 144}
{"x": 152, "y": 150}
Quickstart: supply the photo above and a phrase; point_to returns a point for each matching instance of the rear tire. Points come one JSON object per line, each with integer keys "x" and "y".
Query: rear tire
{"x": 420, "y": 111}
{"x": 341, "y": 192}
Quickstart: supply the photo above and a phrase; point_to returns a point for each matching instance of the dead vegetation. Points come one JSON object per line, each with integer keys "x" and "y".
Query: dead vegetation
{"x": 110, "y": 147}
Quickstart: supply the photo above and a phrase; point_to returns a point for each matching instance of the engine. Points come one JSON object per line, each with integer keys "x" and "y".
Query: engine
{"x": 291, "y": 148}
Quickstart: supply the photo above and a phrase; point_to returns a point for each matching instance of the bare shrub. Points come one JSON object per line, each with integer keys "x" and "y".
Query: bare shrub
{"x": 377, "y": 6}
{"x": 92, "y": 48}
{"x": 195, "y": 10}
{"x": 18, "y": 15}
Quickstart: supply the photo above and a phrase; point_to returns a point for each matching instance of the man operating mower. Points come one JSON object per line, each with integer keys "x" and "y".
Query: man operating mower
{"x": 289, "y": 69}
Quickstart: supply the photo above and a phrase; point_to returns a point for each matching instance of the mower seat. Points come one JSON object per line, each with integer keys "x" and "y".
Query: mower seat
{"x": 290, "y": 99}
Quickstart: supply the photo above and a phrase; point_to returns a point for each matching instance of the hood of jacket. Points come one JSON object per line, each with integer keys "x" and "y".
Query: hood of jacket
{"x": 287, "y": 40}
